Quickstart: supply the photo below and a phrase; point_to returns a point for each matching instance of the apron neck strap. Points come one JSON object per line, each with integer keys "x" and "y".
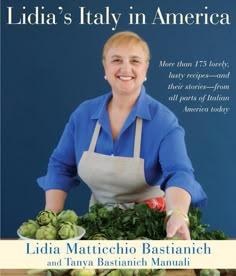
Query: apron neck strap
{"x": 95, "y": 137}
{"x": 137, "y": 137}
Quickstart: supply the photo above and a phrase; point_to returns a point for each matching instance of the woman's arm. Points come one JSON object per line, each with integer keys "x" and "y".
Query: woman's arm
{"x": 179, "y": 183}
{"x": 55, "y": 200}
{"x": 61, "y": 172}
{"x": 177, "y": 203}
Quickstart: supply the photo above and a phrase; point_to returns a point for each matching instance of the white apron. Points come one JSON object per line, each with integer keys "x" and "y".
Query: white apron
{"x": 115, "y": 179}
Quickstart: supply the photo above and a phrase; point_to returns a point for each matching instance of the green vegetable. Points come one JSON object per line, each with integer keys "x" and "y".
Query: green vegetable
{"x": 64, "y": 224}
{"x": 67, "y": 215}
{"x": 199, "y": 231}
{"x": 142, "y": 272}
{"x": 205, "y": 272}
{"x": 141, "y": 222}
{"x": 209, "y": 272}
{"x": 127, "y": 272}
{"x": 46, "y": 232}
{"x": 103, "y": 272}
{"x": 50, "y": 272}
{"x": 67, "y": 230}
{"x": 45, "y": 217}
{"x": 114, "y": 273}
{"x": 123, "y": 224}
{"x": 83, "y": 272}
{"x": 29, "y": 228}
{"x": 98, "y": 237}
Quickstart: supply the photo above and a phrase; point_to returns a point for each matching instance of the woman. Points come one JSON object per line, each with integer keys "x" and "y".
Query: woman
{"x": 126, "y": 146}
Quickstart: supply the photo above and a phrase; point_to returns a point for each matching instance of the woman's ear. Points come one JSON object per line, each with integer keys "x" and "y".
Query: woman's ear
{"x": 103, "y": 62}
{"x": 104, "y": 65}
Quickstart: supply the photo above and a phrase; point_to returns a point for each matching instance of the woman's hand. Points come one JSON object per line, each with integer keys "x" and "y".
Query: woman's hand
{"x": 177, "y": 205}
{"x": 55, "y": 200}
{"x": 177, "y": 226}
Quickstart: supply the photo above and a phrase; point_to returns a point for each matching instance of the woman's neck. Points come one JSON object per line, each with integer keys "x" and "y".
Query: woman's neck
{"x": 118, "y": 110}
{"x": 123, "y": 103}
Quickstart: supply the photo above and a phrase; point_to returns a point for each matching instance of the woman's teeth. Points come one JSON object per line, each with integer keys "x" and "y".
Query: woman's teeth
{"x": 125, "y": 78}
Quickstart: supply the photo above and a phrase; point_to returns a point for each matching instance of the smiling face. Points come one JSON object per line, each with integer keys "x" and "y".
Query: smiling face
{"x": 125, "y": 67}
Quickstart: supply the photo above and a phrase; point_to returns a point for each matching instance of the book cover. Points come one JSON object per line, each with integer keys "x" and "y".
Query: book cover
{"x": 52, "y": 61}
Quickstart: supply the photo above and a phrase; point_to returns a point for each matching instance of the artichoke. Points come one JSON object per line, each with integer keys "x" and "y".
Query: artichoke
{"x": 116, "y": 272}
{"x": 67, "y": 230}
{"x": 46, "y": 232}
{"x": 45, "y": 217}
{"x": 209, "y": 272}
{"x": 68, "y": 215}
{"x": 29, "y": 228}
{"x": 98, "y": 236}
{"x": 142, "y": 272}
{"x": 103, "y": 213}
{"x": 128, "y": 272}
{"x": 158, "y": 272}
{"x": 83, "y": 272}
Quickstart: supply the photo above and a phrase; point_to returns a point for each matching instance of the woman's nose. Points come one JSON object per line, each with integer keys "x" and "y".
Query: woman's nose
{"x": 125, "y": 66}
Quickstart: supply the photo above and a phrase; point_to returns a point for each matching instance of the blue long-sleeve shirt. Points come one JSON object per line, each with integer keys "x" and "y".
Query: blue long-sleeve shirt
{"x": 162, "y": 146}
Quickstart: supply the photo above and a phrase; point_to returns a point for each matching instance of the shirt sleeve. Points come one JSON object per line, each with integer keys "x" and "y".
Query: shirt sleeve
{"x": 61, "y": 171}
{"x": 176, "y": 165}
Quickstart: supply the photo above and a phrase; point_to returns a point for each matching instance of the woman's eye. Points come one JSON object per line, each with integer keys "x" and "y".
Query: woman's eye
{"x": 116, "y": 60}
{"x": 135, "y": 61}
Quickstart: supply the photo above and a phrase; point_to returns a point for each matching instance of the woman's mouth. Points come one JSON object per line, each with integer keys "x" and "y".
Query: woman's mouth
{"x": 125, "y": 78}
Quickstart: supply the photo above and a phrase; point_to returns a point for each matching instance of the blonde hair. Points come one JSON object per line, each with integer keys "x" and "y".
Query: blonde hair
{"x": 126, "y": 38}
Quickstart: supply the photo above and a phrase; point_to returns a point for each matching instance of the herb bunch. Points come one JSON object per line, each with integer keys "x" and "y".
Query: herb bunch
{"x": 141, "y": 222}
